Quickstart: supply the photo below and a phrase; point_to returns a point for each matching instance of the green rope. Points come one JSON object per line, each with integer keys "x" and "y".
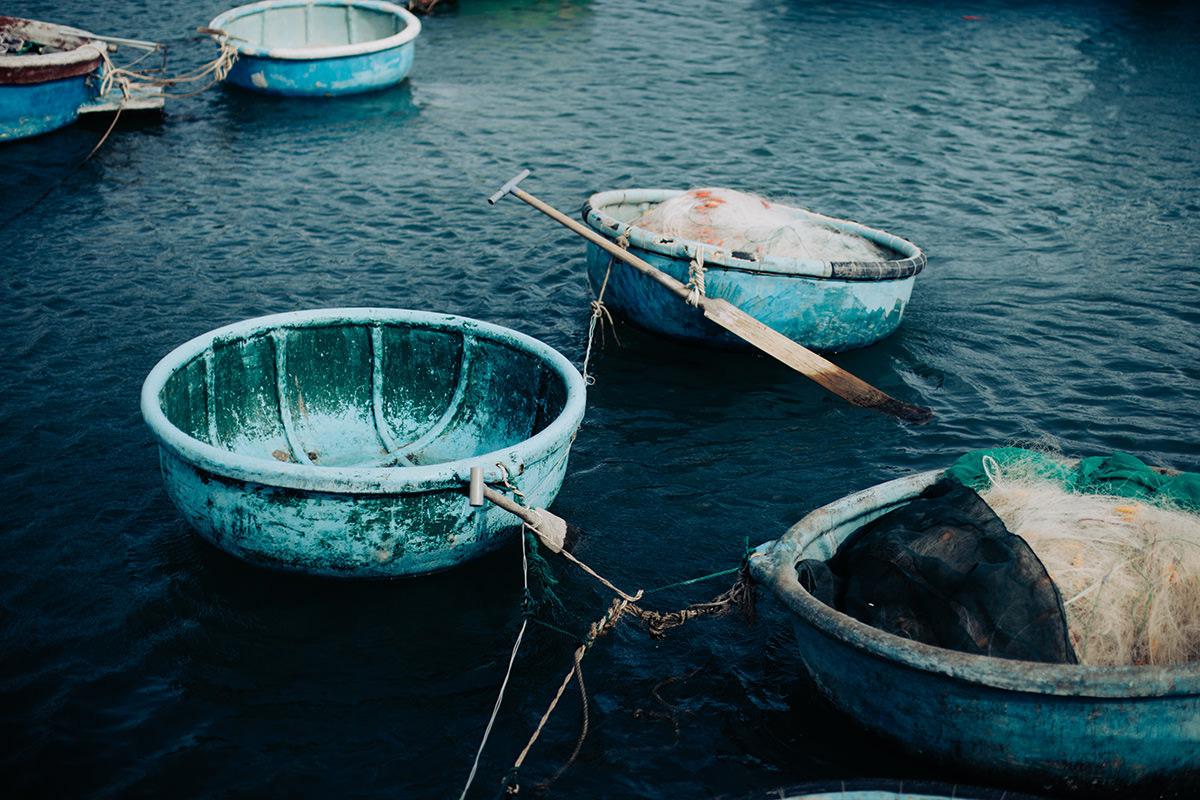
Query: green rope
{"x": 575, "y": 637}
{"x": 746, "y": 551}
{"x": 690, "y": 581}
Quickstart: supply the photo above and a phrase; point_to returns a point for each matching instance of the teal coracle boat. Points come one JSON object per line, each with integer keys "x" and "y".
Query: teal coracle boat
{"x": 340, "y": 441}
{"x": 1064, "y": 725}
{"x": 823, "y": 305}
{"x": 318, "y": 48}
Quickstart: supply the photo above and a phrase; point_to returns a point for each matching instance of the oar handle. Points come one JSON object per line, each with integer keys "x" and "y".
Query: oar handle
{"x": 643, "y": 266}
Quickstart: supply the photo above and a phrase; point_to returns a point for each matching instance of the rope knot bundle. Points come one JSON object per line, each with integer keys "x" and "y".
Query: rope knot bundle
{"x": 696, "y": 278}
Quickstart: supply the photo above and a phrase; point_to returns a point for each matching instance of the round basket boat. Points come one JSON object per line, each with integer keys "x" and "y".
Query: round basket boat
{"x": 340, "y": 441}
{"x": 878, "y": 789}
{"x": 318, "y": 48}
{"x": 1067, "y": 725}
{"x": 41, "y": 92}
{"x": 824, "y": 305}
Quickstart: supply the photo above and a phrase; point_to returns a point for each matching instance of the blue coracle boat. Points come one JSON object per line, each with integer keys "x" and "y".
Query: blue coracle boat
{"x": 46, "y": 74}
{"x": 1067, "y": 725}
{"x": 824, "y": 305}
{"x": 318, "y": 48}
{"x": 341, "y": 441}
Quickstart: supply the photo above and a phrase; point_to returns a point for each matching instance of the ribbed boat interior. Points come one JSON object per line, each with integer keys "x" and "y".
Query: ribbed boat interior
{"x": 314, "y": 26}
{"x": 362, "y": 395}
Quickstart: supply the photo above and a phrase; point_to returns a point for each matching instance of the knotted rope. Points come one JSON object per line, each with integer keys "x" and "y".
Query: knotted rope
{"x": 696, "y": 278}
{"x": 600, "y": 315}
{"x": 595, "y": 631}
{"x": 129, "y": 80}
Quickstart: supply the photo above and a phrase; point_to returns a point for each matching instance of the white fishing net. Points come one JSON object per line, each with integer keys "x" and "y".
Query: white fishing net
{"x": 1128, "y": 571}
{"x": 733, "y": 221}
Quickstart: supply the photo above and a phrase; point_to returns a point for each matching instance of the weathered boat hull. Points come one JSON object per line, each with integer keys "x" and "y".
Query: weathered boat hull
{"x": 818, "y": 313}
{"x": 340, "y": 442}
{"x": 428, "y": 529}
{"x": 322, "y": 77}
{"x": 824, "y": 306}
{"x": 36, "y": 108}
{"x": 42, "y": 93}
{"x": 319, "y": 48}
{"x": 1073, "y": 726}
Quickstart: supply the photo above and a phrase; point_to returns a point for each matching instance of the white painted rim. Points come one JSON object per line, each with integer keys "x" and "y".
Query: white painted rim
{"x": 90, "y": 51}
{"x": 412, "y": 27}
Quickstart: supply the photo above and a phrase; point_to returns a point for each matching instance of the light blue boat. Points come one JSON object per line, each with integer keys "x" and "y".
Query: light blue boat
{"x": 318, "y": 48}
{"x": 44, "y": 83}
{"x": 1070, "y": 726}
{"x": 823, "y": 305}
{"x": 340, "y": 441}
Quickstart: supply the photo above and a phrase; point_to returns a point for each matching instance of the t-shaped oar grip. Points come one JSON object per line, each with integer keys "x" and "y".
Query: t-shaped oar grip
{"x": 508, "y": 187}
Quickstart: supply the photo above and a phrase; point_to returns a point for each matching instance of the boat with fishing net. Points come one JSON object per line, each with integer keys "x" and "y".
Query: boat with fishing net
{"x": 826, "y": 283}
{"x": 47, "y": 72}
{"x": 341, "y": 441}
{"x": 1078, "y": 666}
{"x": 317, "y": 48}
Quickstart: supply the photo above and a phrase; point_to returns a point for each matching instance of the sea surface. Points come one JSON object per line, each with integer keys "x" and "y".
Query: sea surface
{"x": 1044, "y": 155}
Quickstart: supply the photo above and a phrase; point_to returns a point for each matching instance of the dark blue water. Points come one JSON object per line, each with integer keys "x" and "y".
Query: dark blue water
{"x": 1044, "y": 156}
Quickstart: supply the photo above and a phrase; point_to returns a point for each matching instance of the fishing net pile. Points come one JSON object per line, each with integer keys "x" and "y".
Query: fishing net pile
{"x": 737, "y": 222}
{"x": 1095, "y": 562}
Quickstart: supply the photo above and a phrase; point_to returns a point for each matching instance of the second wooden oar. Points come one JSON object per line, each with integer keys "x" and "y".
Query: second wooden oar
{"x": 738, "y": 322}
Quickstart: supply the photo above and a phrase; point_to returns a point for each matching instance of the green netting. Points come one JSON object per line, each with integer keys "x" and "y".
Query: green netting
{"x": 1119, "y": 474}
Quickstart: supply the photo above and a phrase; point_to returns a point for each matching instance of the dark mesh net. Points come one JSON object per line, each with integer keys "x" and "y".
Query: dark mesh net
{"x": 944, "y": 570}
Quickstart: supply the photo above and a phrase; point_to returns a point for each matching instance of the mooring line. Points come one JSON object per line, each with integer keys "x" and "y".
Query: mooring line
{"x": 507, "y": 674}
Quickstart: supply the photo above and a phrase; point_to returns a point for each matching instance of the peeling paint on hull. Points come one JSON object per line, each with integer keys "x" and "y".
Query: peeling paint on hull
{"x": 340, "y": 442}
{"x": 323, "y": 77}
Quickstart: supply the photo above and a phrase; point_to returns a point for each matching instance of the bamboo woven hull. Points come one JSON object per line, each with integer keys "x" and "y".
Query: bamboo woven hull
{"x": 1064, "y": 725}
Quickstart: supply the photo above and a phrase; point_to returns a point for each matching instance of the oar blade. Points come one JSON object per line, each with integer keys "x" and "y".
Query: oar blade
{"x": 813, "y": 366}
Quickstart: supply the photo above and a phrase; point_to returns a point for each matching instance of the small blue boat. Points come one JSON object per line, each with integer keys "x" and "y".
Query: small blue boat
{"x": 1066, "y": 725}
{"x": 318, "y": 48}
{"x": 340, "y": 441}
{"x": 46, "y": 74}
{"x": 823, "y": 305}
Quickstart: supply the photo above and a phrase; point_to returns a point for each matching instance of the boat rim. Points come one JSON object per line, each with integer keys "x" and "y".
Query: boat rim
{"x": 412, "y": 27}
{"x": 773, "y": 564}
{"x": 598, "y": 218}
{"x": 80, "y": 60}
{"x": 362, "y": 480}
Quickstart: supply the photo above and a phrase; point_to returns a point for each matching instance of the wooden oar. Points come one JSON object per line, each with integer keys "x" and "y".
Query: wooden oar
{"x": 738, "y": 322}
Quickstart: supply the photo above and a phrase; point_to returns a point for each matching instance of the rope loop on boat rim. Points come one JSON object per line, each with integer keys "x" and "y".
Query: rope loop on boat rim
{"x": 696, "y": 278}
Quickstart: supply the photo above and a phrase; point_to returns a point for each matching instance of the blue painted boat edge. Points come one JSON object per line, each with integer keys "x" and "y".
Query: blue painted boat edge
{"x": 773, "y": 565}
{"x": 347, "y": 480}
